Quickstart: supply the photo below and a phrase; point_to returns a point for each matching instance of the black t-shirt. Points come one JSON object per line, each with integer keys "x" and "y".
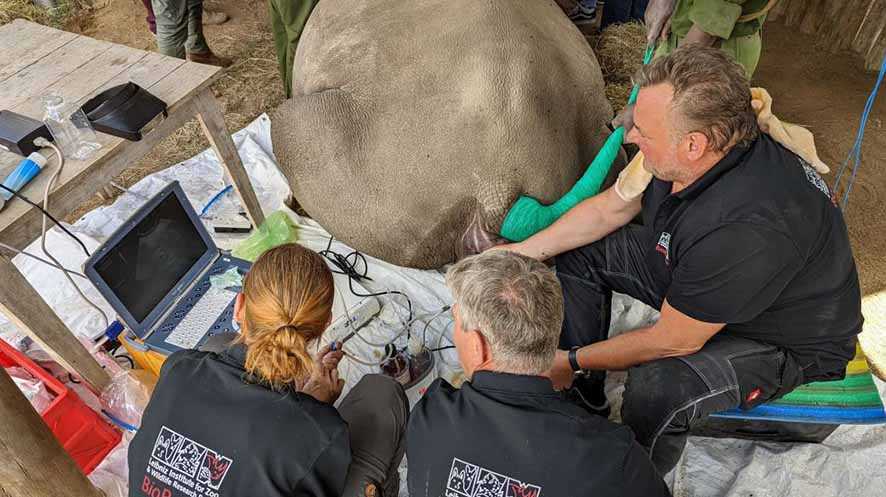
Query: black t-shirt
{"x": 758, "y": 244}
{"x": 208, "y": 433}
{"x": 503, "y": 435}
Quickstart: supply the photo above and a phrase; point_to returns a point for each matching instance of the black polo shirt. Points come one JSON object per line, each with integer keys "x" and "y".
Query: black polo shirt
{"x": 503, "y": 435}
{"x": 758, "y": 244}
{"x": 208, "y": 433}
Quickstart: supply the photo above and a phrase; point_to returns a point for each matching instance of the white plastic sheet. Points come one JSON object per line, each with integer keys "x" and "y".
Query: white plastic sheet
{"x": 849, "y": 463}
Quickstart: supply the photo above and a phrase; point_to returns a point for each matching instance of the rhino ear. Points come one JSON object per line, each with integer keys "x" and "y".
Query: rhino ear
{"x": 478, "y": 238}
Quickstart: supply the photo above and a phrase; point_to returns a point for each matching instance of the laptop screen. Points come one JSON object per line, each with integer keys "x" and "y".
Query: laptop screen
{"x": 152, "y": 258}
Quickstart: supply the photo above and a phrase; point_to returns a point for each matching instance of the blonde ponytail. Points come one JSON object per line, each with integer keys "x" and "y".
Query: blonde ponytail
{"x": 288, "y": 297}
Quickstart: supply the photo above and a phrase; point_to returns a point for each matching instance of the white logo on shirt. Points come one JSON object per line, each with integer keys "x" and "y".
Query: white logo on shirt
{"x": 181, "y": 464}
{"x": 469, "y": 480}
{"x": 664, "y": 245}
{"x": 814, "y": 178}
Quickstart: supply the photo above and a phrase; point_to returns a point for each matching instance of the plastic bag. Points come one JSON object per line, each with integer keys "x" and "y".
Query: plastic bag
{"x": 125, "y": 399}
{"x": 228, "y": 279}
{"x": 33, "y": 389}
{"x": 277, "y": 229}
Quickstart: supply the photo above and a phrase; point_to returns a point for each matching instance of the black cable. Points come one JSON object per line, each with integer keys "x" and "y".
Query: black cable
{"x": 349, "y": 268}
{"x": 47, "y": 214}
{"x": 123, "y": 356}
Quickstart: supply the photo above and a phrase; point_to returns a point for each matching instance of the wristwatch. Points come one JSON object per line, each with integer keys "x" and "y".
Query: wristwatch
{"x": 573, "y": 359}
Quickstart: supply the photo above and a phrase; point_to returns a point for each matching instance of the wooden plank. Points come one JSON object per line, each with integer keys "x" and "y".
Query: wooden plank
{"x": 25, "y": 308}
{"x": 175, "y": 89}
{"x": 213, "y": 123}
{"x": 23, "y": 43}
{"x": 34, "y": 463}
{"x": 20, "y": 223}
{"x": 85, "y": 81}
{"x": 32, "y": 80}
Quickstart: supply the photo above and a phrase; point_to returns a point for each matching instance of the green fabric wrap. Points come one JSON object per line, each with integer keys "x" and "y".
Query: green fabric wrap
{"x": 528, "y": 216}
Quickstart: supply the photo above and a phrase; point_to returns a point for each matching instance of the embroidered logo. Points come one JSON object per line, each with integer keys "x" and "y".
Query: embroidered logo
{"x": 814, "y": 178}
{"x": 664, "y": 246}
{"x": 181, "y": 464}
{"x": 469, "y": 480}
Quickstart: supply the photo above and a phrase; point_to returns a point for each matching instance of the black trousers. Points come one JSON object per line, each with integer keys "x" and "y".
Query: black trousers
{"x": 663, "y": 398}
{"x": 622, "y": 11}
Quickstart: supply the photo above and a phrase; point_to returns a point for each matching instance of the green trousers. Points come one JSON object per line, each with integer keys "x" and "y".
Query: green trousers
{"x": 179, "y": 27}
{"x": 744, "y": 49}
{"x": 288, "y": 18}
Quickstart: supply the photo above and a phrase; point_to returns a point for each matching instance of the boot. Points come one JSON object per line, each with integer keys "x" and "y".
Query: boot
{"x": 209, "y": 58}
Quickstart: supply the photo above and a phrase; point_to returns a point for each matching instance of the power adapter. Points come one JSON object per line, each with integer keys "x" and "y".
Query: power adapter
{"x": 18, "y": 132}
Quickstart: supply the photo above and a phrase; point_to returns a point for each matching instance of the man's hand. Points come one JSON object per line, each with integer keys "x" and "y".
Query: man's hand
{"x": 324, "y": 383}
{"x": 561, "y": 373}
{"x": 658, "y": 20}
{"x": 700, "y": 37}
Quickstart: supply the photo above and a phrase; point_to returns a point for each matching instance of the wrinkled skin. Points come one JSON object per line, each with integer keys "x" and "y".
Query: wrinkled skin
{"x": 414, "y": 125}
{"x": 658, "y": 19}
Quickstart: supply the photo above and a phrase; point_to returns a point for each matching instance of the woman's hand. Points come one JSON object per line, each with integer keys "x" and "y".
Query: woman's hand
{"x": 324, "y": 383}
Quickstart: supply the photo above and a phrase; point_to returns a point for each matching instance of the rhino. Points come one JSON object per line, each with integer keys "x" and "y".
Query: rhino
{"x": 412, "y": 123}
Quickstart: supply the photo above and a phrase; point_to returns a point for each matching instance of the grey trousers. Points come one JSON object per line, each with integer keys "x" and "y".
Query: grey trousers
{"x": 376, "y": 411}
{"x": 179, "y": 27}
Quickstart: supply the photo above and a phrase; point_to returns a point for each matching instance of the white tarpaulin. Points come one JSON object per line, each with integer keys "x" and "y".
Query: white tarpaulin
{"x": 849, "y": 463}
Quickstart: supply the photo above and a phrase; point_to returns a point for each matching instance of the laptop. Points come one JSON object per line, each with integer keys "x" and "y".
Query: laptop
{"x": 155, "y": 271}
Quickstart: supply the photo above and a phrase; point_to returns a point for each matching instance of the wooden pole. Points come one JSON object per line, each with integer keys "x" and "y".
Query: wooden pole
{"x": 29, "y": 312}
{"x": 32, "y": 462}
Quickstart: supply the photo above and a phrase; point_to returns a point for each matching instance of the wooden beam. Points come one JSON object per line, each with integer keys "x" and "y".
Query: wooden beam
{"x": 214, "y": 128}
{"x": 25, "y": 308}
{"x": 32, "y": 462}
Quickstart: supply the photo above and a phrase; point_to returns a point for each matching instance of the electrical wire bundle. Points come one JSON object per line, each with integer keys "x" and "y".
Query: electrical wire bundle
{"x": 855, "y": 153}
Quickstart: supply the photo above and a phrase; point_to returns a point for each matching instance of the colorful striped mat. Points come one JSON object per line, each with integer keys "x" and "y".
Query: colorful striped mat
{"x": 852, "y": 400}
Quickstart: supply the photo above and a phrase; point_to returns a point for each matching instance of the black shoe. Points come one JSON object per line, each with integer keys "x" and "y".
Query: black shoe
{"x": 588, "y": 392}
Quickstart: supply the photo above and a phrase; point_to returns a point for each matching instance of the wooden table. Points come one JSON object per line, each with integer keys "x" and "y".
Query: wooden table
{"x": 35, "y": 60}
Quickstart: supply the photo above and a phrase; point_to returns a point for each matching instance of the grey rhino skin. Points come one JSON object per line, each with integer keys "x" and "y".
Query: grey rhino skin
{"x": 412, "y": 118}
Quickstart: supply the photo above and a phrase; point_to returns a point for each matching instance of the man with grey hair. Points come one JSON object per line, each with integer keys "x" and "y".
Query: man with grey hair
{"x": 506, "y": 431}
{"x": 741, "y": 248}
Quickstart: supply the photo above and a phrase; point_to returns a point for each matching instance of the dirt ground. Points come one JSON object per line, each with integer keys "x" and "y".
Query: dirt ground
{"x": 249, "y": 87}
{"x": 823, "y": 91}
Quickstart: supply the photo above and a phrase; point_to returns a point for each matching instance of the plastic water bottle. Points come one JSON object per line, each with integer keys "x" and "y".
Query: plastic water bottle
{"x": 70, "y": 128}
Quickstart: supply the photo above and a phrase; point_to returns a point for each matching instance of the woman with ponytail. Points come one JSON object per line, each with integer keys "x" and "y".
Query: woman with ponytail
{"x": 255, "y": 416}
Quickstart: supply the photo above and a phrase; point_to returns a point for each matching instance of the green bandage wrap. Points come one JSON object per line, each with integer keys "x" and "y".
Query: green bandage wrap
{"x": 528, "y": 216}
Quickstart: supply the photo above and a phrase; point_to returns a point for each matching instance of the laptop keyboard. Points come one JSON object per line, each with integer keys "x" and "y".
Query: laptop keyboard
{"x": 200, "y": 318}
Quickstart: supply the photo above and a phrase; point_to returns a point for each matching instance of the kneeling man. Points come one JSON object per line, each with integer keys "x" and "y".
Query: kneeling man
{"x": 741, "y": 248}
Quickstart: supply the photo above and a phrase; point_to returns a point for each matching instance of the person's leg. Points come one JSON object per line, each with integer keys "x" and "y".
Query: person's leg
{"x": 288, "y": 20}
{"x": 638, "y": 10}
{"x": 172, "y": 26}
{"x": 376, "y": 411}
{"x": 152, "y": 22}
{"x": 615, "y": 12}
{"x": 663, "y": 398}
{"x": 196, "y": 42}
{"x": 589, "y": 275}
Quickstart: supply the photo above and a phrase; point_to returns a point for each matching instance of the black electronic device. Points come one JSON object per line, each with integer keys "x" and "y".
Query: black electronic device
{"x": 18, "y": 132}
{"x": 126, "y": 110}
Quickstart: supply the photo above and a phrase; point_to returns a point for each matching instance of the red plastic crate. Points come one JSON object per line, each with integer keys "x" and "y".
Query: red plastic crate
{"x": 82, "y": 432}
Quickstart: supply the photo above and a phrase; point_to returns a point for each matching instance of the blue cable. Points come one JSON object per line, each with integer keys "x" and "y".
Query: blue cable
{"x": 215, "y": 199}
{"x": 855, "y": 152}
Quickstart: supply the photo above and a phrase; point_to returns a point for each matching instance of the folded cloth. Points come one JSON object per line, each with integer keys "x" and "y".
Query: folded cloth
{"x": 633, "y": 179}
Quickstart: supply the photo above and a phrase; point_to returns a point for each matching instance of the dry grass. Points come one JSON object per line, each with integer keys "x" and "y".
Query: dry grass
{"x": 66, "y": 13}
{"x": 619, "y": 49}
